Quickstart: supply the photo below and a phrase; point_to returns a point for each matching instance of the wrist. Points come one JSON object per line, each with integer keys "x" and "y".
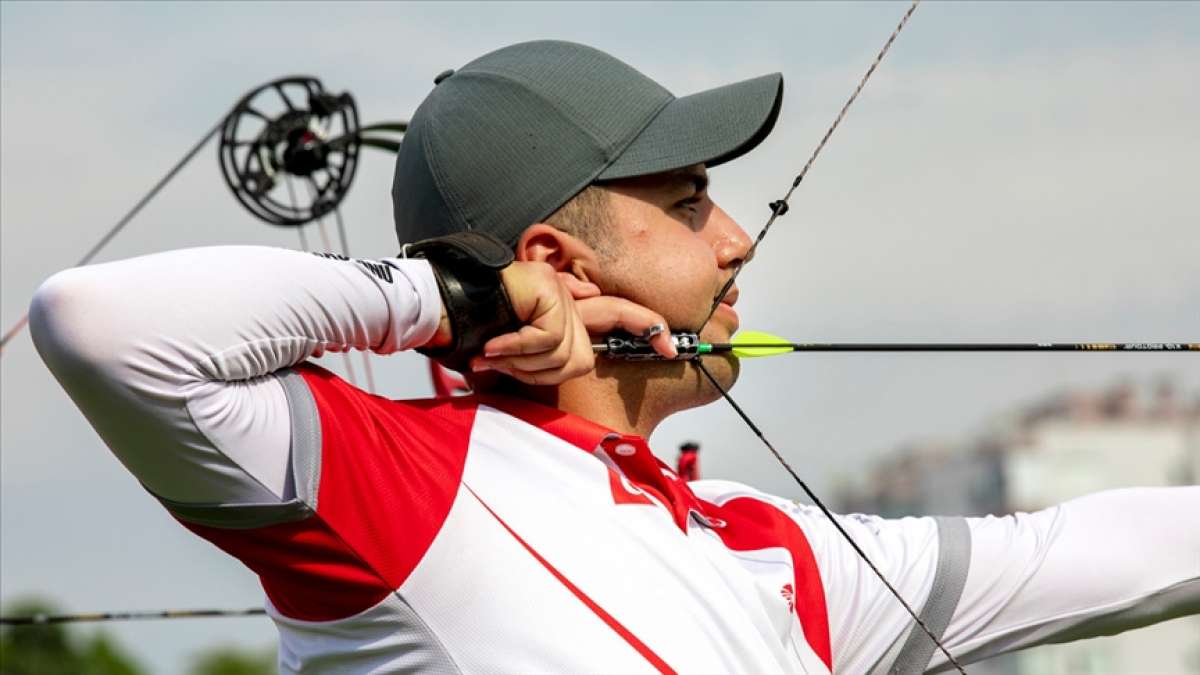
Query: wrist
{"x": 475, "y": 305}
{"x": 444, "y": 337}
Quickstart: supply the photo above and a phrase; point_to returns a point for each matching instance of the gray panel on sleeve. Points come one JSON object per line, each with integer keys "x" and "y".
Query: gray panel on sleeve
{"x": 238, "y": 516}
{"x": 306, "y": 436}
{"x": 391, "y": 637}
{"x": 954, "y": 559}
{"x": 305, "y": 472}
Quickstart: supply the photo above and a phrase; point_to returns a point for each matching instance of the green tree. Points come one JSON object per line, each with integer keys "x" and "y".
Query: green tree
{"x": 234, "y": 661}
{"x": 53, "y": 650}
{"x": 101, "y": 655}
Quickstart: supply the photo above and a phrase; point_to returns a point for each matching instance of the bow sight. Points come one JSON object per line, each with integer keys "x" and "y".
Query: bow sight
{"x": 294, "y": 130}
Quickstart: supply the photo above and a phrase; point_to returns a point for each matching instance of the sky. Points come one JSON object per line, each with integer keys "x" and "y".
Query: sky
{"x": 1012, "y": 172}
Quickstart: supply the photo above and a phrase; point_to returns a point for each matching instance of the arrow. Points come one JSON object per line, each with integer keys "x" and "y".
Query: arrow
{"x": 757, "y": 344}
{"x": 754, "y": 344}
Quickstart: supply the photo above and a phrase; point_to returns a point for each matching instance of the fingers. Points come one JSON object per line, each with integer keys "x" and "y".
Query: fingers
{"x": 579, "y": 360}
{"x": 549, "y": 319}
{"x": 553, "y": 346}
{"x": 529, "y": 359}
{"x": 571, "y": 358}
{"x": 537, "y": 295}
{"x": 606, "y": 313}
{"x": 579, "y": 289}
{"x": 560, "y": 313}
{"x": 530, "y": 339}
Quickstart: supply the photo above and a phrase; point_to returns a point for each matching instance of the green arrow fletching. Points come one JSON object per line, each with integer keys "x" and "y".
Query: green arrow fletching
{"x": 764, "y": 344}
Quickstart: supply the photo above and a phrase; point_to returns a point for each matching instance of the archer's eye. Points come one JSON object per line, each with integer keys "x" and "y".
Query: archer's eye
{"x": 688, "y": 211}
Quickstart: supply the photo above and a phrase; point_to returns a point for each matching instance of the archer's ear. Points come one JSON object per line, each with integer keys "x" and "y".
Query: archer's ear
{"x": 545, "y": 243}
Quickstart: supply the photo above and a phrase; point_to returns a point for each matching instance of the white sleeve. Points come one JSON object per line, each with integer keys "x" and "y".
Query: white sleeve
{"x": 170, "y": 356}
{"x": 1098, "y": 565}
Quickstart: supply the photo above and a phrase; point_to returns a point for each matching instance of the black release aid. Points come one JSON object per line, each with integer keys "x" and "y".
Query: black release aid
{"x": 467, "y": 266}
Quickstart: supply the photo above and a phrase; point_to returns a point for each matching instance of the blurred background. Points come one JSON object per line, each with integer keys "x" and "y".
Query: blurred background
{"x": 1013, "y": 172}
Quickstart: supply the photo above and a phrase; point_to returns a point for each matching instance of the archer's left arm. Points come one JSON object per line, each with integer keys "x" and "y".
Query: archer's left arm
{"x": 1097, "y": 565}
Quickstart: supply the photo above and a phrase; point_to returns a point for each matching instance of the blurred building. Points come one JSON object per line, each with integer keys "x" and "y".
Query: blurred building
{"x": 1062, "y": 447}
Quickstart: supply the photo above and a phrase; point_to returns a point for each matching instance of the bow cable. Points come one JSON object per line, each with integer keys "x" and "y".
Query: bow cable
{"x": 325, "y": 241}
{"x": 115, "y": 229}
{"x": 779, "y": 208}
{"x": 46, "y": 619}
{"x": 820, "y": 505}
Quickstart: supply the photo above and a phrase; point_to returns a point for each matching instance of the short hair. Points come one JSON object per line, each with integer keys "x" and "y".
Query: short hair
{"x": 588, "y": 216}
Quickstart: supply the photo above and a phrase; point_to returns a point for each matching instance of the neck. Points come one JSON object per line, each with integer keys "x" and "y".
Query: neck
{"x": 629, "y": 398}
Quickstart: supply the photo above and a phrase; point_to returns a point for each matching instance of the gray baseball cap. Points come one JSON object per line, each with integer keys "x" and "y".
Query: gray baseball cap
{"x": 507, "y": 139}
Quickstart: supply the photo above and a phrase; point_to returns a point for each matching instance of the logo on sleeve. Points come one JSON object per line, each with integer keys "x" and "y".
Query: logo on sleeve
{"x": 381, "y": 269}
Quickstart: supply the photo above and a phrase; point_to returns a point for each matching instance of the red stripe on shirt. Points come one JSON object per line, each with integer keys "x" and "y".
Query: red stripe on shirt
{"x": 607, "y": 618}
{"x": 752, "y": 524}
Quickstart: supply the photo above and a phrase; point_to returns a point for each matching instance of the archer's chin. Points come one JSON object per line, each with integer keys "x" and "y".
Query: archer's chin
{"x": 724, "y": 368}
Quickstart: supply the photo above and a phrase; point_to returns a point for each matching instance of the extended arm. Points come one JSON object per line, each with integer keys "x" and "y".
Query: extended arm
{"x": 1093, "y": 566}
{"x": 1098, "y": 565}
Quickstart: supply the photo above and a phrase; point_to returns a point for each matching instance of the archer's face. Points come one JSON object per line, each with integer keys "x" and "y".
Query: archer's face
{"x": 677, "y": 249}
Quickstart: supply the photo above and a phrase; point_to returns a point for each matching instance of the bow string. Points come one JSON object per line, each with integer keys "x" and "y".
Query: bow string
{"x": 779, "y": 208}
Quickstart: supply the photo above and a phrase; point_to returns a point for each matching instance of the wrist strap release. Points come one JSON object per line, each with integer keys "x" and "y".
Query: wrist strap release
{"x": 467, "y": 267}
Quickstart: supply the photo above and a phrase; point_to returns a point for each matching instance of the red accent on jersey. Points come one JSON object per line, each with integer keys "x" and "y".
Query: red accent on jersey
{"x": 752, "y": 524}
{"x": 390, "y": 470}
{"x": 307, "y": 571}
{"x": 647, "y": 653}
{"x": 625, "y": 491}
{"x": 389, "y": 473}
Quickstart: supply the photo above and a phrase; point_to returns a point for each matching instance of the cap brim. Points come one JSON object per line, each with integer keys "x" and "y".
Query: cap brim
{"x": 707, "y": 128}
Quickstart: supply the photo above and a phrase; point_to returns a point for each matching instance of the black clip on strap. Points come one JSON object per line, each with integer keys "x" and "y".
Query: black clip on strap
{"x": 467, "y": 267}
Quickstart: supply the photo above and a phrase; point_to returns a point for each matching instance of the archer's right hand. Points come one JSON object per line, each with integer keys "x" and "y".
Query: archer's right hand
{"x": 560, "y": 314}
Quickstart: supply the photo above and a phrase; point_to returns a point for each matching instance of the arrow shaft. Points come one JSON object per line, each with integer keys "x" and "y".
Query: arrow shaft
{"x": 689, "y": 347}
{"x": 718, "y": 348}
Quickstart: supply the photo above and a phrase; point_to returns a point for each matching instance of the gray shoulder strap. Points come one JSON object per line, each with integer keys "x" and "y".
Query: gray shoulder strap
{"x": 954, "y": 559}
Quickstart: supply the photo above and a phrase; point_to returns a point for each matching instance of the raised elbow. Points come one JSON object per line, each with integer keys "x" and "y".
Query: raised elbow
{"x": 63, "y": 323}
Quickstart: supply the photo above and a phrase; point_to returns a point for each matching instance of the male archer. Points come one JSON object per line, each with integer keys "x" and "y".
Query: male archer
{"x": 546, "y": 195}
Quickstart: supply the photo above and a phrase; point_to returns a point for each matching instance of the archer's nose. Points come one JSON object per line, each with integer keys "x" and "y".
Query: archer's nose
{"x": 730, "y": 242}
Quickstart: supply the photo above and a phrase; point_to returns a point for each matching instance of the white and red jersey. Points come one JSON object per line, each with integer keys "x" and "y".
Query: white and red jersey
{"x": 497, "y": 535}
{"x": 491, "y": 534}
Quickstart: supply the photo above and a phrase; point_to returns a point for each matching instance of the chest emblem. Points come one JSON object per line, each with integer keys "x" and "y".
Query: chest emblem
{"x": 789, "y": 596}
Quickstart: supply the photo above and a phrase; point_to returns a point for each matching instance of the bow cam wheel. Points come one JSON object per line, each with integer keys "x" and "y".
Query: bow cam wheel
{"x": 289, "y": 150}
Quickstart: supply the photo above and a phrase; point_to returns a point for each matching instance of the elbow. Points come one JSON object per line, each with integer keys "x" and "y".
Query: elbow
{"x": 62, "y": 318}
